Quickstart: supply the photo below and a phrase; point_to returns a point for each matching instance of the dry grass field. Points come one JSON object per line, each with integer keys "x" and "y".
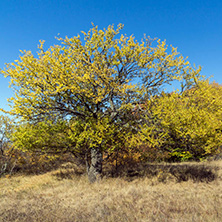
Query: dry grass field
{"x": 167, "y": 192}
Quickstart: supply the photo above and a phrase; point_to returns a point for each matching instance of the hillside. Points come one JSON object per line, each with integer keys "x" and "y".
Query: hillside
{"x": 66, "y": 195}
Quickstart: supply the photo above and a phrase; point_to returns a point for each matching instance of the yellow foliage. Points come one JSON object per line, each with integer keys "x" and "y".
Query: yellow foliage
{"x": 186, "y": 125}
{"x": 78, "y": 77}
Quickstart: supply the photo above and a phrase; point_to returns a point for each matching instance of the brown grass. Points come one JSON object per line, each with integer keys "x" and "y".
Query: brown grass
{"x": 154, "y": 194}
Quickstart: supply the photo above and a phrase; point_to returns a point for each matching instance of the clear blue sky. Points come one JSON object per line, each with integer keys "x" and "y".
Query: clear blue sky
{"x": 194, "y": 26}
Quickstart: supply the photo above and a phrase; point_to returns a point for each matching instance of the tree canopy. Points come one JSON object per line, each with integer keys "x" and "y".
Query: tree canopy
{"x": 94, "y": 77}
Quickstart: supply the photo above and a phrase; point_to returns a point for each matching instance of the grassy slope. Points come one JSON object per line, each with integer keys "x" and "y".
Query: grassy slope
{"x": 63, "y": 196}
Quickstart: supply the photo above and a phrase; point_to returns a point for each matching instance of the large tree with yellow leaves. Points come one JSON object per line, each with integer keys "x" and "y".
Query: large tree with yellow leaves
{"x": 95, "y": 80}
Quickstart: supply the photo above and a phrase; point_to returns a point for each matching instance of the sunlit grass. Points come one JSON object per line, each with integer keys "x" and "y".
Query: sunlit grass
{"x": 63, "y": 195}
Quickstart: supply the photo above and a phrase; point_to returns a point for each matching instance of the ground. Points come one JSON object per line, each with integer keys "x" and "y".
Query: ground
{"x": 66, "y": 195}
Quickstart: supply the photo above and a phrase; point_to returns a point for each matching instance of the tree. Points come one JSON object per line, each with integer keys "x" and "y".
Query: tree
{"x": 186, "y": 125}
{"x": 6, "y": 127}
{"x": 96, "y": 81}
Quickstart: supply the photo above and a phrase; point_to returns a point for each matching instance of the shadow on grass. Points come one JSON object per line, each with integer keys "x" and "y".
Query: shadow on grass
{"x": 198, "y": 172}
{"x": 69, "y": 171}
{"x": 67, "y": 174}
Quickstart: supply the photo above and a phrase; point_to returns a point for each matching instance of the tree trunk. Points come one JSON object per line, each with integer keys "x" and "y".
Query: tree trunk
{"x": 95, "y": 169}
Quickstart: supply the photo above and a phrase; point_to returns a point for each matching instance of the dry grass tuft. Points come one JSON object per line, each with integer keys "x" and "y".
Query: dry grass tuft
{"x": 158, "y": 194}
